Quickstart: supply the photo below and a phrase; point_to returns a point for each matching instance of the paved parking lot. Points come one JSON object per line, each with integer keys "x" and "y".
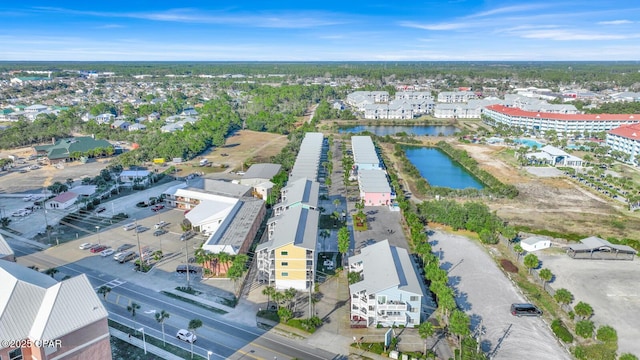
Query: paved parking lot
{"x": 382, "y": 224}
{"x": 486, "y": 294}
{"x": 609, "y": 286}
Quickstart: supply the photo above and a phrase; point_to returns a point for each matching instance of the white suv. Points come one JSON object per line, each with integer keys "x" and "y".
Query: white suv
{"x": 186, "y": 335}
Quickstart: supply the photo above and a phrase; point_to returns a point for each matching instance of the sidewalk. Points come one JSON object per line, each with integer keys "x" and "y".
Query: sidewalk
{"x": 138, "y": 342}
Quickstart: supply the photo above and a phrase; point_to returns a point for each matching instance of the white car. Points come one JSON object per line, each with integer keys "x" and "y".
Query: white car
{"x": 161, "y": 224}
{"x": 107, "y": 252}
{"x": 186, "y": 335}
{"x": 85, "y": 246}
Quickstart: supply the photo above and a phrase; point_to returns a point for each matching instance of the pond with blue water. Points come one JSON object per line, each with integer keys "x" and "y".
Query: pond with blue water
{"x": 418, "y": 130}
{"x": 439, "y": 170}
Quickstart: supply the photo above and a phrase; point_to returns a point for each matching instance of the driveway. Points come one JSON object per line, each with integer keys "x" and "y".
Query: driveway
{"x": 486, "y": 294}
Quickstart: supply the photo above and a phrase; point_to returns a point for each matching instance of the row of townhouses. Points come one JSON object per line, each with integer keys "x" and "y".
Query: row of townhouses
{"x": 373, "y": 181}
{"x": 287, "y": 259}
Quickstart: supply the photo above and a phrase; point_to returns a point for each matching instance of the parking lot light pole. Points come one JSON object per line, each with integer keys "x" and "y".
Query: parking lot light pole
{"x": 144, "y": 342}
{"x": 98, "y": 232}
{"x": 209, "y": 353}
{"x": 139, "y": 247}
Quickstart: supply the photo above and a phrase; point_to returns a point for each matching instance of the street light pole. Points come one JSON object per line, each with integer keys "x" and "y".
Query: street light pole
{"x": 139, "y": 247}
{"x": 209, "y": 353}
{"x": 186, "y": 247}
{"x": 98, "y": 232}
{"x": 144, "y": 342}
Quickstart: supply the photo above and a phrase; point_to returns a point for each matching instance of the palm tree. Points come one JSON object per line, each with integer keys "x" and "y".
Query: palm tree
{"x": 268, "y": 291}
{"x": 545, "y": 275}
{"x": 563, "y": 296}
{"x": 336, "y": 203}
{"x": 584, "y": 310}
{"x": 193, "y": 326}
{"x": 290, "y": 295}
{"x": 51, "y": 272}
{"x": 531, "y": 262}
{"x": 132, "y": 309}
{"x": 5, "y": 221}
{"x": 519, "y": 250}
{"x": 223, "y": 259}
{"x": 104, "y": 290}
{"x": 160, "y": 318}
{"x": 426, "y": 330}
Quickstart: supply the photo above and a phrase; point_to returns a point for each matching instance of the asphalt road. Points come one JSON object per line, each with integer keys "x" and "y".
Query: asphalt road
{"x": 227, "y": 340}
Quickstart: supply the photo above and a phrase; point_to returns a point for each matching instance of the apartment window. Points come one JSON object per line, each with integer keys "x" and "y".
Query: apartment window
{"x": 284, "y": 263}
{"x": 284, "y": 253}
{"x": 413, "y": 298}
{"x": 15, "y": 354}
{"x": 284, "y": 274}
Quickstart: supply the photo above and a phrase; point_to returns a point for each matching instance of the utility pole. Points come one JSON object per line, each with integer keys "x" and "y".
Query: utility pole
{"x": 186, "y": 247}
{"x": 46, "y": 223}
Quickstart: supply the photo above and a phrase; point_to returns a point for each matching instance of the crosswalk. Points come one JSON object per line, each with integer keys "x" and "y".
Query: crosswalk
{"x": 112, "y": 284}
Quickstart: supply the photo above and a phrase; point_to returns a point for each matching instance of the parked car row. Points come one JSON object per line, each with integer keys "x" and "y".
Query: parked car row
{"x": 22, "y": 212}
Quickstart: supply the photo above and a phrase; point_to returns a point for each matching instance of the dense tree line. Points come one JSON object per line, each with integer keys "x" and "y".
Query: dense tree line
{"x": 460, "y": 73}
{"x": 325, "y": 111}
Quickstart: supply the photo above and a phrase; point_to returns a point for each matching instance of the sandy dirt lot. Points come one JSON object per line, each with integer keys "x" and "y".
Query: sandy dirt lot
{"x": 556, "y": 204}
{"x": 245, "y": 146}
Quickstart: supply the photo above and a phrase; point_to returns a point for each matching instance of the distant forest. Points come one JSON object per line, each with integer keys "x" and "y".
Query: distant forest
{"x": 579, "y": 73}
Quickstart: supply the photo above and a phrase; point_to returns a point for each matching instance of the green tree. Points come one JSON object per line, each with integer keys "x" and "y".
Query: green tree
{"x": 585, "y": 328}
{"x": 344, "y": 241}
{"x": 5, "y": 221}
{"x": 531, "y": 262}
{"x": 268, "y": 291}
{"x": 518, "y": 250}
{"x": 607, "y": 334}
{"x": 563, "y": 296}
{"x": 627, "y": 356}
{"x": 583, "y": 310}
{"x": 285, "y": 314}
{"x": 194, "y": 325}
{"x": 104, "y": 290}
{"x": 546, "y": 275}
{"x": 459, "y": 325}
{"x": 132, "y": 309}
{"x": 51, "y": 272}
{"x": 426, "y": 330}
{"x": 160, "y": 318}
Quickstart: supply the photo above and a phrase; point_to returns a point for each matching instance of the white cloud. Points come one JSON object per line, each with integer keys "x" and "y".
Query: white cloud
{"x": 566, "y": 35}
{"x": 509, "y": 9}
{"x": 615, "y": 22}
{"x": 440, "y": 26}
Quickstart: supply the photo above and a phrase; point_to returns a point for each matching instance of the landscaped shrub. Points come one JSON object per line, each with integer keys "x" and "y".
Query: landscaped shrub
{"x": 585, "y": 328}
{"x": 561, "y": 332}
{"x": 508, "y": 266}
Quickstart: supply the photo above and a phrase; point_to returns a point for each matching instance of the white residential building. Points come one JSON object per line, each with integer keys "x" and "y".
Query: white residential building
{"x": 626, "y": 138}
{"x": 456, "y": 96}
{"x": 389, "y": 292}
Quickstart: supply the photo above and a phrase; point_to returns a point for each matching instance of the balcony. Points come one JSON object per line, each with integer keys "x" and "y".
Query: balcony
{"x": 392, "y": 305}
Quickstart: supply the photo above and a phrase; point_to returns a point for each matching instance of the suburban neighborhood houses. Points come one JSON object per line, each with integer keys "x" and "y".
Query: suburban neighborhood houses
{"x": 254, "y": 211}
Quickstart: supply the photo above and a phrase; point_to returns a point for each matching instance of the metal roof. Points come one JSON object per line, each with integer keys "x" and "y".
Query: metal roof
{"x": 593, "y": 243}
{"x": 308, "y": 159}
{"x": 385, "y": 267}
{"x": 34, "y": 305}
{"x": 5, "y": 249}
{"x": 302, "y": 191}
{"x": 364, "y": 152}
{"x": 233, "y": 231}
{"x": 373, "y": 181}
{"x": 298, "y": 226}
{"x": 262, "y": 171}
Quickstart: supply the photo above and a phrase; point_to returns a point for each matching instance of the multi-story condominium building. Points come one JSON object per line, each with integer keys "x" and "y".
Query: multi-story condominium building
{"x": 389, "y": 292}
{"x": 54, "y": 320}
{"x": 364, "y": 153}
{"x": 287, "y": 259}
{"x": 392, "y": 110}
{"x": 456, "y": 96}
{"x": 414, "y": 95}
{"x": 470, "y": 110}
{"x": 560, "y": 123}
{"x": 532, "y": 104}
{"x": 301, "y": 192}
{"x": 359, "y": 98}
{"x": 309, "y": 157}
{"x": 626, "y": 138}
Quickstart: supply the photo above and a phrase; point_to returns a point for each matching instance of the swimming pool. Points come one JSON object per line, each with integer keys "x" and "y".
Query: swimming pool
{"x": 528, "y": 142}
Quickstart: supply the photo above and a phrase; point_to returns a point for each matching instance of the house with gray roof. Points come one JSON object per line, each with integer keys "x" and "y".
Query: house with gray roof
{"x": 389, "y": 292}
{"x": 259, "y": 173}
{"x": 374, "y": 187}
{"x": 364, "y": 153}
{"x": 37, "y": 307}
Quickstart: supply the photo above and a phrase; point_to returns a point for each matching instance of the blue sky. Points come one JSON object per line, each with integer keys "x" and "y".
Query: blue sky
{"x": 348, "y": 30}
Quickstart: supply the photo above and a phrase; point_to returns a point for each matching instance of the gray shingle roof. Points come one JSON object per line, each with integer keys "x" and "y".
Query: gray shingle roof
{"x": 262, "y": 171}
